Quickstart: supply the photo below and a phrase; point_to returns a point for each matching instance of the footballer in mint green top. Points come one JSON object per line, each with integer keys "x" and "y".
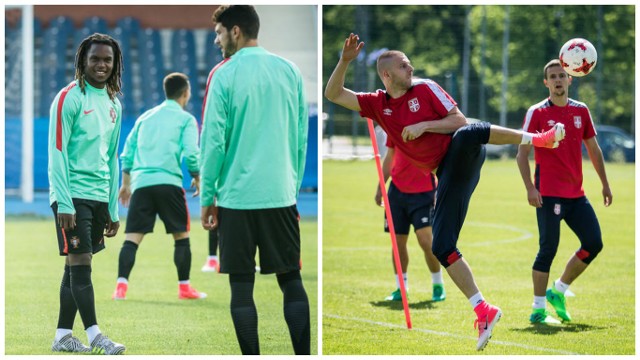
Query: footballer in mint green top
{"x": 84, "y": 130}
{"x": 160, "y": 139}
{"x": 254, "y": 135}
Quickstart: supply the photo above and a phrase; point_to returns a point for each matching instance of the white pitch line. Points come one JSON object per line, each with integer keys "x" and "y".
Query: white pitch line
{"x": 446, "y": 334}
{"x": 525, "y": 235}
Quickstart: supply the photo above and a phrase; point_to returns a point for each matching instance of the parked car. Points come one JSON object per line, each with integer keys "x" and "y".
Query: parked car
{"x": 616, "y": 144}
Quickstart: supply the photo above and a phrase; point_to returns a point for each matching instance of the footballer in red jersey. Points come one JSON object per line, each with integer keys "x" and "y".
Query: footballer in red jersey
{"x": 557, "y": 192}
{"x": 424, "y": 122}
{"x": 411, "y": 196}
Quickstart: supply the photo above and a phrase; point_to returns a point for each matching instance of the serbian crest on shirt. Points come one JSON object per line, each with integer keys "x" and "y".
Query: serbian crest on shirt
{"x": 414, "y": 106}
{"x": 112, "y": 114}
{"x": 577, "y": 121}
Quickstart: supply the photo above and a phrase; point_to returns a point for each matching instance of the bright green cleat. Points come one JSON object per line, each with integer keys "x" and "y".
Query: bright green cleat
{"x": 541, "y": 316}
{"x": 558, "y": 301}
{"x": 438, "y": 293}
{"x": 395, "y": 296}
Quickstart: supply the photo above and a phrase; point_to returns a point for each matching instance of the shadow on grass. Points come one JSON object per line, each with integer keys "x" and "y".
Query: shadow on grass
{"x": 544, "y": 329}
{"x": 397, "y": 305}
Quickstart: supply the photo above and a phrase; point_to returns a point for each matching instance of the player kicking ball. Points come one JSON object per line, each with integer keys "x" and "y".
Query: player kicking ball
{"x": 424, "y": 122}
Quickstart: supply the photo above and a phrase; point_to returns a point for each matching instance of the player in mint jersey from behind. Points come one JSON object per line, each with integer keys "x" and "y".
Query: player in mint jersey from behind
{"x": 424, "y": 122}
{"x": 254, "y": 143}
{"x": 152, "y": 181}
{"x": 411, "y": 196}
{"x": 559, "y": 198}
{"x": 84, "y": 130}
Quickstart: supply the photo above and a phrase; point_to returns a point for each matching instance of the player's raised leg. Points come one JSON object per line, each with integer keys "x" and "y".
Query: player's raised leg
{"x": 548, "y": 139}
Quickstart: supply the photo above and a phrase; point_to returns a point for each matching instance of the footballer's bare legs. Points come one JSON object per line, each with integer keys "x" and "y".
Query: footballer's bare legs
{"x": 180, "y": 235}
{"x": 403, "y": 253}
{"x": 135, "y": 238}
{"x": 549, "y": 139}
{"x": 425, "y": 237}
{"x": 460, "y": 273}
{"x": 574, "y": 268}
{"x": 540, "y": 281}
{"x": 500, "y": 135}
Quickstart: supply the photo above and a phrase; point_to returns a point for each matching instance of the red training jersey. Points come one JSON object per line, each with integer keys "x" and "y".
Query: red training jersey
{"x": 407, "y": 177}
{"x": 424, "y": 101}
{"x": 559, "y": 171}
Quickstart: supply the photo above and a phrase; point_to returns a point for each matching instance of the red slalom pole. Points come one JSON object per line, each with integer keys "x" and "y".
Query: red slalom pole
{"x": 387, "y": 210}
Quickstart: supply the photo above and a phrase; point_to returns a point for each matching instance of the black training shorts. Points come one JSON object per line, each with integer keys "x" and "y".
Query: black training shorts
{"x": 88, "y": 235}
{"x": 409, "y": 209}
{"x": 276, "y": 232}
{"x": 167, "y": 201}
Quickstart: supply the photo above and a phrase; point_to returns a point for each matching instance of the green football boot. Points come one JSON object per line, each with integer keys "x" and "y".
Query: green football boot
{"x": 438, "y": 293}
{"x": 541, "y": 316}
{"x": 558, "y": 301}
{"x": 396, "y": 296}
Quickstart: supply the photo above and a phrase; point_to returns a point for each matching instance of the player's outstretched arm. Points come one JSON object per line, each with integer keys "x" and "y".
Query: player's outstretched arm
{"x": 335, "y": 90}
{"x": 597, "y": 159}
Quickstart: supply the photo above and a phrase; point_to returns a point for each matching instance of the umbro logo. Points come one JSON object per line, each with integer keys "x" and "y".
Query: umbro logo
{"x": 551, "y": 123}
{"x": 424, "y": 220}
{"x": 87, "y": 112}
{"x": 387, "y": 112}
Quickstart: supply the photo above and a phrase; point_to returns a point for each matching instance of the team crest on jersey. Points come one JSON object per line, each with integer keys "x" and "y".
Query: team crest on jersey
{"x": 112, "y": 114}
{"x": 577, "y": 121}
{"x": 387, "y": 112}
{"x": 556, "y": 209}
{"x": 414, "y": 105}
{"x": 551, "y": 123}
{"x": 75, "y": 241}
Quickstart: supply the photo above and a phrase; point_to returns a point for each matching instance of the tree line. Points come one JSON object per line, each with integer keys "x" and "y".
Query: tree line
{"x": 462, "y": 48}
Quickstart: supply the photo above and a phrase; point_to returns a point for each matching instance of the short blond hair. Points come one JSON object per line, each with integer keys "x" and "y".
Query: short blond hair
{"x": 385, "y": 56}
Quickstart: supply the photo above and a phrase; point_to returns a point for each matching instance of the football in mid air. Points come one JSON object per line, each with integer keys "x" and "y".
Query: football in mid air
{"x": 578, "y": 57}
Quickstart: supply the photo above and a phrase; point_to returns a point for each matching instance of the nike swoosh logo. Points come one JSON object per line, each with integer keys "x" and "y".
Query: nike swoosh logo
{"x": 87, "y": 112}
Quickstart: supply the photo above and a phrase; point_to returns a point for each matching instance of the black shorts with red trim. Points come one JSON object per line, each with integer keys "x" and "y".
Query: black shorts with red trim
{"x": 409, "y": 209}
{"x": 166, "y": 201}
{"x": 88, "y": 235}
{"x": 275, "y": 231}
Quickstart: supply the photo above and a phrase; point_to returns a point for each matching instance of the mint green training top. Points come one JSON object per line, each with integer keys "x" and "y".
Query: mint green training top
{"x": 254, "y": 135}
{"x": 156, "y": 145}
{"x": 84, "y": 130}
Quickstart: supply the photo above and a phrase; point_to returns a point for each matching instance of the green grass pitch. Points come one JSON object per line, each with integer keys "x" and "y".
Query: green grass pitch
{"x": 500, "y": 241}
{"x": 152, "y": 320}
